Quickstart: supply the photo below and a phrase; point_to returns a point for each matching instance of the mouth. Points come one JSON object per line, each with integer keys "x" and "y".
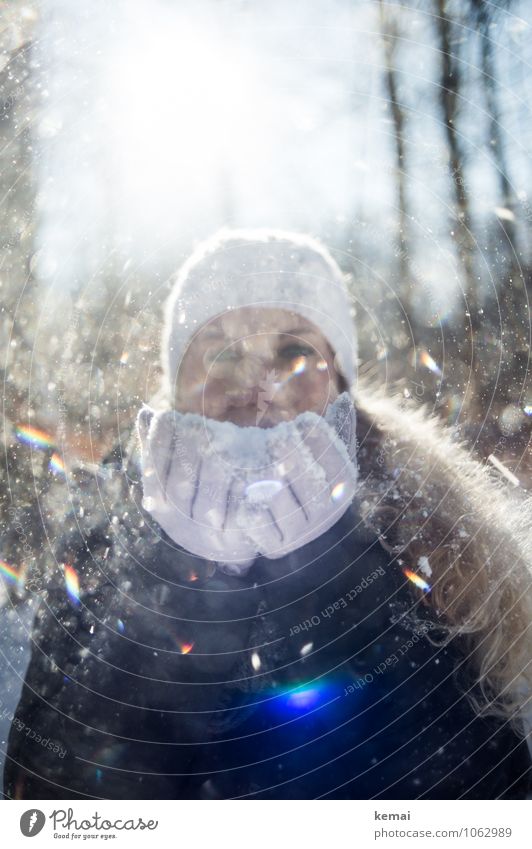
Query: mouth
{"x": 242, "y": 413}
{"x": 242, "y": 399}
{"x": 250, "y": 415}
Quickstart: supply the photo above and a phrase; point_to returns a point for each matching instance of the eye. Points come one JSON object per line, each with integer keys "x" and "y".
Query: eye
{"x": 290, "y": 352}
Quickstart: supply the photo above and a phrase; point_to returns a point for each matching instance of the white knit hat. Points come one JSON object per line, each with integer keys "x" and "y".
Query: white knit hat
{"x": 268, "y": 268}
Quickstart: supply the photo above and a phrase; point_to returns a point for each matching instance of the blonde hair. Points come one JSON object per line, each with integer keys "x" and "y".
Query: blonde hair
{"x": 426, "y": 496}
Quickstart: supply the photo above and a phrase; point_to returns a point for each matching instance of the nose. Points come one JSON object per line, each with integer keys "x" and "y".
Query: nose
{"x": 248, "y": 378}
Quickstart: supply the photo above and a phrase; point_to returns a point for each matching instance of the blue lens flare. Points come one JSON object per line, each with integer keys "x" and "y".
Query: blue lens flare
{"x": 305, "y": 698}
{"x": 311, "y": 695}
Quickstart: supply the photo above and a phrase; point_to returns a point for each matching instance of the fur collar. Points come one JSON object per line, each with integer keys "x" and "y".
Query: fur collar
{"x": 462, "y": 526}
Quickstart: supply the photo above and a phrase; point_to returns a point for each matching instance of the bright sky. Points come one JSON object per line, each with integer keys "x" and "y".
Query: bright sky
{"x": 159, "y": 126}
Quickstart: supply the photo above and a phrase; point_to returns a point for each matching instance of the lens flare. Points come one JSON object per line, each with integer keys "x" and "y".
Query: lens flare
{"x": 186, "y": 648}
{"x": 305, "y": 698}
{"x": 57, "y": 465}
{"x": 263, "y": 490}
{"x": 454, "y": 408}
{"x": 9, "y": 572}
{"x": 427, "y": 361}
{"x": 72, "y": 583}
{"x": 22, "y": 575}
{"x": 296, "y": 699}
{"x": 337, "y": 491}
{"x": 33, "y": 436}
{"x": 299, "y": 365}
{"x": 503, "y": 213}
{"x": 417, "y": 580}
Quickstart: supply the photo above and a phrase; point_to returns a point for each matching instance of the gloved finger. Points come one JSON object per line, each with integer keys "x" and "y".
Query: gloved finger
{"x": 341, "y": 415}
{"x": 200, "y": 538}
{"x": 296, "y": 466}
{"x": 173, "y": 448}
{"x": 212, "y": 543}
{"x": 275, "y": 516}
{"x": 329, "y": 453}
{"x": 214, "y": 507}
{"x": 143, "y": 422}
{"x": 201, "y": 475}
{"x": 238, "y": 544}
{"x": 150, "y": 475}
{"x": 224, "y": 465}
{"x": 167, "y": 463}
{"x": 287, "y": 517}
{"x": 181, "y": 467}
{"x": 275, "y": 533}
{"x": 263, "y": 529}
{"x": 160, "y": 447}
{"x": 215, "y": 486}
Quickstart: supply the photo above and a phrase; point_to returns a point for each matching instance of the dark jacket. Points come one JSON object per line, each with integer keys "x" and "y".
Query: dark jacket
{"x": 315, "y": 675}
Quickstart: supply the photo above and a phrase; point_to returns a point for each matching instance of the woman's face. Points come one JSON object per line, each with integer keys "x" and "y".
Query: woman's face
{"x": 257, "y": 366}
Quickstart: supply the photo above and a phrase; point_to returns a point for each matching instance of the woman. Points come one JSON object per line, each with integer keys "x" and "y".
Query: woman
{"x": 293, "y": 586}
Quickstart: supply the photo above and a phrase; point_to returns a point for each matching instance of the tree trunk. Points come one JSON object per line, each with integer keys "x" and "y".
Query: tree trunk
{"x": 449, "y": 96}
{"x": 389, "y": 35}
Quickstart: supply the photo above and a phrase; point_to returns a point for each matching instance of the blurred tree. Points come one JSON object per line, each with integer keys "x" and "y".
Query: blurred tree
{"x": 449, "y": 45}
{"x": 25, "y": 477}
{"x": 485, "y": 17}
{"x": 390, "y": 33}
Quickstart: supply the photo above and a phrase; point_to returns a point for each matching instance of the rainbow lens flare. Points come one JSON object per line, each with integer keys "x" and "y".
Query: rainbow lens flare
{"x": 72, "y": 583}
{"x": 33, "y": 436}
{"x": 299, "y": 365}
{"x": 186, "y": 648}
{"x": 9, "y": 572}
{"x": 417, "y": 580}
{"x": 56, "y": 465}
{"x": 426, "y": 360}
{"x": 337, "y": 491}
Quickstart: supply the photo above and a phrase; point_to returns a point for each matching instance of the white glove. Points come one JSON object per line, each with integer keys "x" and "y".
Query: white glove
{"x": 191, "y": 486}
{"x": 230, "y": 493}
{"x": 313, "y": 474}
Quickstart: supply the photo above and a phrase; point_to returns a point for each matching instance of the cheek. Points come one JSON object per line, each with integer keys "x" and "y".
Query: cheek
{"x": 312, "y": 390}
{"x": 194, "y": 392}
{"x": 213, "y": 399}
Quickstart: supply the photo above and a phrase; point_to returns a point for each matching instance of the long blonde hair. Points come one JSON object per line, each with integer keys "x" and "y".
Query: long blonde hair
{"x": 428, "y": 498}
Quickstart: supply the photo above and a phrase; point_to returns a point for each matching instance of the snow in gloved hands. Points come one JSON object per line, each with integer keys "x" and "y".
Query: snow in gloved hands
{"x": 229, "y": 493}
